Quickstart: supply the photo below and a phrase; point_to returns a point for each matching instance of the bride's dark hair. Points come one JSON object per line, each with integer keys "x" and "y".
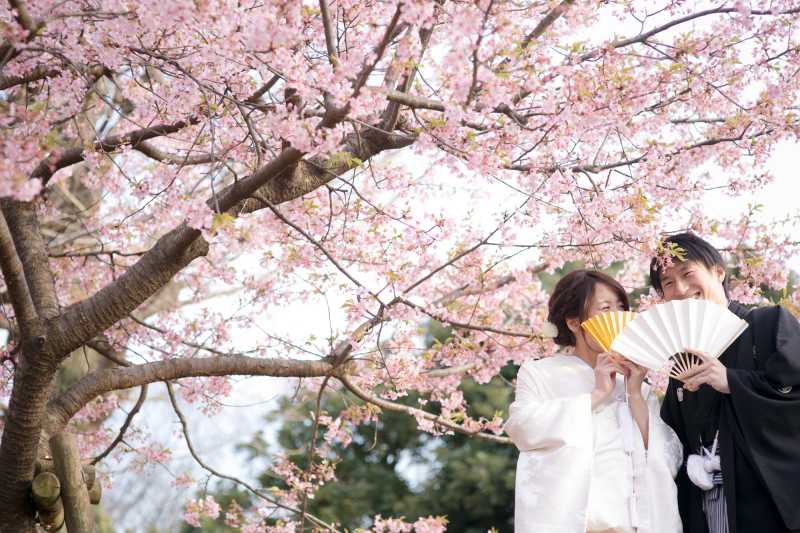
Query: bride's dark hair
{"x": 571, "y": 299}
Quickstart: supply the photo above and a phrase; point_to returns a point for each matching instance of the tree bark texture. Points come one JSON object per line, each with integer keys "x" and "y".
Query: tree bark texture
{"x": 21, "y": 436}
{"x": 99, "y": 382}
{"x": 24, "y": 228}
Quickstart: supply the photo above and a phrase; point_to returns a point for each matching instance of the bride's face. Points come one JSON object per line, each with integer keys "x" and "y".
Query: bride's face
{"x": 604, "y": 300}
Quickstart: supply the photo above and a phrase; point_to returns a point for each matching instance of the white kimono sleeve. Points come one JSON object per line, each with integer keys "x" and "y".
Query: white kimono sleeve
{"x": 667, "y": 444}
{"x": 556, "y": 438}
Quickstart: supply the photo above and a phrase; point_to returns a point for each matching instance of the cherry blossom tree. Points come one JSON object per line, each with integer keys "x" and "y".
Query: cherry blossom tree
{"x": 157, "y": 154}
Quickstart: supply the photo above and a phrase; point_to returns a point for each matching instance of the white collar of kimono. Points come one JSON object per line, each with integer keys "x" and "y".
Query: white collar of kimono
{"x": 578, "y": 366}
{"x": 582, "y": 363}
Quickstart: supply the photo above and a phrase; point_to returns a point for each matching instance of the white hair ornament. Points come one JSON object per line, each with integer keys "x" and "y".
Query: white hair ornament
{"x": 550, "y": 330}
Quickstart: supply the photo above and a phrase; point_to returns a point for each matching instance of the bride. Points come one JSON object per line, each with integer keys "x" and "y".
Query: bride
{"x": 590, "y": 461}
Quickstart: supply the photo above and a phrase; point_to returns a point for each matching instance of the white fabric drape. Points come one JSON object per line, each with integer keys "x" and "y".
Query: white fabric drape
{"x": 573, "y": 474}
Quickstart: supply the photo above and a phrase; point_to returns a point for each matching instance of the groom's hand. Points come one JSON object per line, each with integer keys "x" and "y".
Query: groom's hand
{"x": 712, "y": 371}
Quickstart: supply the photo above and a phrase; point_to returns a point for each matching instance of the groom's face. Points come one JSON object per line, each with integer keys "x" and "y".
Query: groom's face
{"x": 690, "y": 279}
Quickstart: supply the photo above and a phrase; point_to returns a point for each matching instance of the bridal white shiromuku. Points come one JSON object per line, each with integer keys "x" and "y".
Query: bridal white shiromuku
{"x": 573, "y": 474}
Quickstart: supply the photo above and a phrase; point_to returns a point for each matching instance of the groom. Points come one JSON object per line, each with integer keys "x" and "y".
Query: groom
{"x": 748, "y": 401}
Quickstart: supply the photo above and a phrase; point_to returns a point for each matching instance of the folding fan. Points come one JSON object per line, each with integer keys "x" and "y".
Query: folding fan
{"x": 660, "y": 334}
{"x": 605, "y": 327}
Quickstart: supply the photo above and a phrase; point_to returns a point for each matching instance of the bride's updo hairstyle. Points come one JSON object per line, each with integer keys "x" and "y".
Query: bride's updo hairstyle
{"x": 572, "y": 297}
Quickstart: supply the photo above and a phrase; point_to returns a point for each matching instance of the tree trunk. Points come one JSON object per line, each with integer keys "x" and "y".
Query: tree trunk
{"x": 19, "y": 446}
{"x": 18, "y": 519}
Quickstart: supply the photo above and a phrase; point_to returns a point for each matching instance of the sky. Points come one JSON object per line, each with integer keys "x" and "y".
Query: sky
{"x": 779, "y": 199}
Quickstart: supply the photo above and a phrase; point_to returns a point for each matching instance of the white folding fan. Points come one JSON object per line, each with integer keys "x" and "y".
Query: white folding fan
{"x": 661, "y": 334}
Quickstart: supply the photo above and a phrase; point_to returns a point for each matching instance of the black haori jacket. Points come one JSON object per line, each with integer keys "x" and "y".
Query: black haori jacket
{"x": 758, "y": 423}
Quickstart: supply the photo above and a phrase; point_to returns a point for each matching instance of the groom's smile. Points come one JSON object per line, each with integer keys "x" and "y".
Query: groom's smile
{"x": 691, "y": 280}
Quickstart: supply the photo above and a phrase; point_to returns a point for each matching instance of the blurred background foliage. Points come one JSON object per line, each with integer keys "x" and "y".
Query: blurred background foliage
{"x": 395, "y": 470}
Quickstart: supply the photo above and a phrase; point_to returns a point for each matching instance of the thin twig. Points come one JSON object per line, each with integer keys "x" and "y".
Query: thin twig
{"x": 391, "y": 406}
{"x": 125, "y": 426}
{"x": 312, "y": 445}
{"x": 255, "y": 491}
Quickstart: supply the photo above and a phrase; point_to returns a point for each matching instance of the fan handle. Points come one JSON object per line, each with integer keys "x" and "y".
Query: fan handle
{"x": 682, "y": 362}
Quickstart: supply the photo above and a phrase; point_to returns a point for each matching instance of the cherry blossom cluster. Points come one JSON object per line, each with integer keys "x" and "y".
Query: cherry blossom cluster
{"x": 204, "y": 506}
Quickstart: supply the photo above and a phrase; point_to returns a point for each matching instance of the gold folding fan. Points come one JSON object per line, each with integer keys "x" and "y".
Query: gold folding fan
{"x": 605, "y": 328}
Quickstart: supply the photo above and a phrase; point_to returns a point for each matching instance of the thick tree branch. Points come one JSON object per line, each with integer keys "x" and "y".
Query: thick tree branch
{"x": 283, "y": 179}
{"x": 387, "y": 38}
{"x": 412, "y": 102}
{"x": 167, "y": 257}
{"x": 23, "y": 17}
{"x": 546, "y": 22}
{"x": 55, "y": 162}
{"x": 159, "y": 155}
{"x": 330, "y": 36}
{"x": 391, "y": 406}
{"x": 448, "y": 371}
{"x": 419, "y": 102}
{"x": 391, "y": 114}
{"x": 537, "y": 32}
{"x": 14, "y": 277}
{"x": 47, "y": 71}
{"x": 24, "y": 228}
{"x": 61, "y": 410}
{"x": 256, "y": 96}
{"x": 309, "y": 174}
{"x": 8, "y": 50}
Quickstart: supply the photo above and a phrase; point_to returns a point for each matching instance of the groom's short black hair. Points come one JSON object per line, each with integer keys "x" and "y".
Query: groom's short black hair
{"x": 692, "y": 248}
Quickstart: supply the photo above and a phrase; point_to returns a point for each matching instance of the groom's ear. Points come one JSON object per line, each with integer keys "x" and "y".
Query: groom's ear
{"x": 719, "y": 273}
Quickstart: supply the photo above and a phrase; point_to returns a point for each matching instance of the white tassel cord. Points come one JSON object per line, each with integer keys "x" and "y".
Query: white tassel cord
{"x": 634, "y": 513}
{"x": 626, "y": 428}
{"x": 697, "y": 472}
{"x": 701, "y": 468}
{"x": 626, "y": 424}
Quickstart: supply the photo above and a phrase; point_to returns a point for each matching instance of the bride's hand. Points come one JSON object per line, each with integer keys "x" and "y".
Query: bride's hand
{"x": 605, "y": 377}
{"x": 636, "y": 376}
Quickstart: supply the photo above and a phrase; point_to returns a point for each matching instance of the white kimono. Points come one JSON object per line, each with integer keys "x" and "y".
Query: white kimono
{"x": 573, "y": 474}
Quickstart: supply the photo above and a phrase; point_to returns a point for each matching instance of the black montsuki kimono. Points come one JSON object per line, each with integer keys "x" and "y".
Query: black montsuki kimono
{"x": 758, "y": 423}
